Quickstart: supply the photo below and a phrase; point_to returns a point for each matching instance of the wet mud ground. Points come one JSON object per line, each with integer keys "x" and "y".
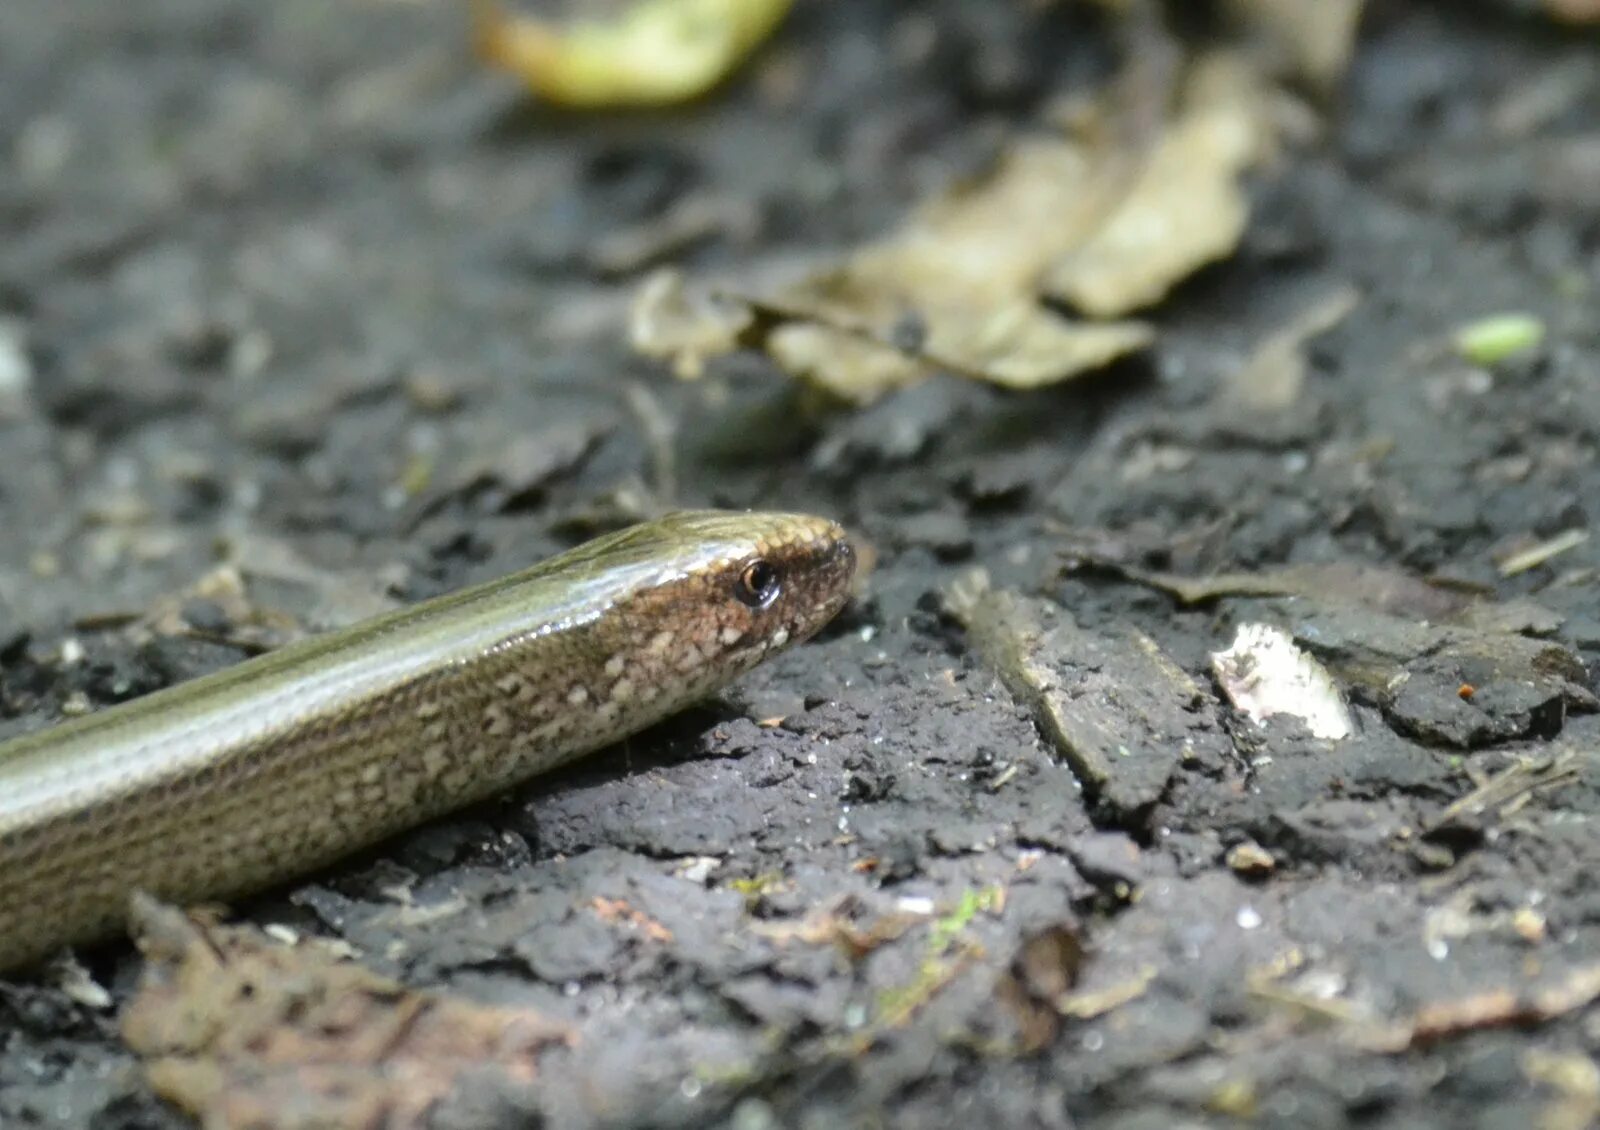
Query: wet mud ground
{"x": 302, "y": 289}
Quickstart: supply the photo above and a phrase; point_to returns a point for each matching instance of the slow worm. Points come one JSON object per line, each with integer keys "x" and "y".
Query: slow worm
{"x": 245, "y": 778}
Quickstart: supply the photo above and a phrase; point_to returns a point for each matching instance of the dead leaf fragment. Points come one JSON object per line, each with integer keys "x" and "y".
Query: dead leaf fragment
{"x": 670, "y": 322}
{"x": 1250, "y": 859}
{"x": 1372, "y": 586}
{"x": 853, "y": 368}
{"x": 655, "y": 53}
{"x": 955, "y": 288}
{"x": 832, "y": 924}
{"x": 1043, "y": 971}
{"x": 1088, "y": 1004}
{"x": 1187, "y": 207}
{"x": 243, "y": 1032}
{"x": 1106, "y": 222}
{"x": 1537, "y": 554}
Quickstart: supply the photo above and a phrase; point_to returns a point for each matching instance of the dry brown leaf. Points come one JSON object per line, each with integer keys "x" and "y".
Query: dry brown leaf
{"x": 849, "y": 366}
{"x": 1187, "y": 207}
{"x": 956, "y": 287}
{"x": 1042, "y": 972}
{"x": 828, "y": 925}
{"x": 656, "y": 52}
{"x": 241, "y": 1031}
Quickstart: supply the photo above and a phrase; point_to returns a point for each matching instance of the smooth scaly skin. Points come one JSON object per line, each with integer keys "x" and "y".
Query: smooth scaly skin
{"x": 282, "y": 764}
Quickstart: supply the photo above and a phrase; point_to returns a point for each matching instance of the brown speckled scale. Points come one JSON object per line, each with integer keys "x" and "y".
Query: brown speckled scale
{"x": 281, "y": 764}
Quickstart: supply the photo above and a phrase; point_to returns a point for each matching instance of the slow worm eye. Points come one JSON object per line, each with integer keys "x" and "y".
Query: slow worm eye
{"x": 758, "y": 584}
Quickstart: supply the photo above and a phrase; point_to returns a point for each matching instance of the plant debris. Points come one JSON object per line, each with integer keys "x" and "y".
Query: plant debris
{"x": 1043, "y": 971}
{"x": 1121, "y": 713}
{"x": 1106, "y": 226}
{"x": 1536, "y": 555}
{"x": 1186, "y": 208}
{"x": 1493, "y": 1008}
{"x": 1492, "y": 340}
{"x": 1376, "y": 587}
{"x": 243, "y": 1031}
{"x": 654, "y": 53}
{"x": 1501, "y": 791}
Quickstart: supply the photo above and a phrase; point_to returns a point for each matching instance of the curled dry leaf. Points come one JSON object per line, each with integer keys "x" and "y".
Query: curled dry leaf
{"x": 1186, "y": 209}
{"x": 956, "y": 289}
{"x": 849, "y": 366}
{"x": 1106, "y": 224}
{"x": 241, "y": 1031}
{"x": 656, "y": 52}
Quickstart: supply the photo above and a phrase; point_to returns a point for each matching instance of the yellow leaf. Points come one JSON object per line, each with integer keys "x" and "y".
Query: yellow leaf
{"x": 657, "y": 52}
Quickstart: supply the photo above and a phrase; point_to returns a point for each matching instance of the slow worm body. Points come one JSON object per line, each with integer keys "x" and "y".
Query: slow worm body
{"x": 282, "y": 764}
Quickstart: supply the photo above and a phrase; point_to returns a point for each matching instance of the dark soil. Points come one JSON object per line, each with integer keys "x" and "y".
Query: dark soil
{"x": 303, "y": 288}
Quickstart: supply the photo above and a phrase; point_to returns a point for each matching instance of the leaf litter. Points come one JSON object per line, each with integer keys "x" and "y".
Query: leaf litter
{"x": 1027, "y": 275}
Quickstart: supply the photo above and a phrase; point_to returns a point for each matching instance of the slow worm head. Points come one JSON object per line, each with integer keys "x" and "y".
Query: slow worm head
{"x": 282, "y": 764}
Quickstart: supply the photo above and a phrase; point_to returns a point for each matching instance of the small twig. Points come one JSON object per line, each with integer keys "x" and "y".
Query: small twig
{"x": 1500, "y": 790}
